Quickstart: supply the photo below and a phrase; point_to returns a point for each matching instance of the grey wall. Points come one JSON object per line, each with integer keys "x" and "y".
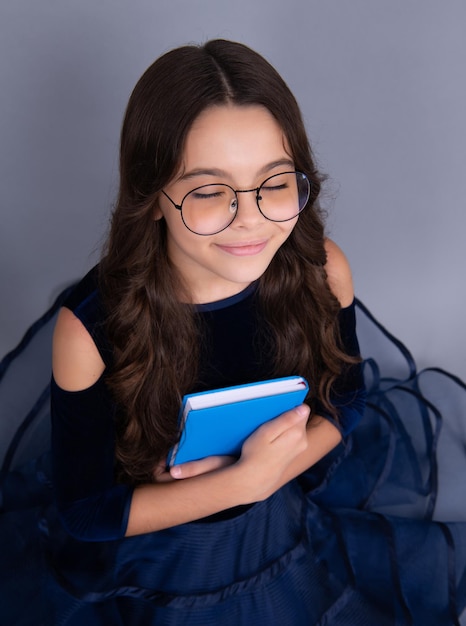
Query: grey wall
{"x": 381, "y": 85}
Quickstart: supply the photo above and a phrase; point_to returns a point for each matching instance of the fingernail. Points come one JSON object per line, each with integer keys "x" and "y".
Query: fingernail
{"x": 303, "y": 410}
{"x": 176, "y": 472}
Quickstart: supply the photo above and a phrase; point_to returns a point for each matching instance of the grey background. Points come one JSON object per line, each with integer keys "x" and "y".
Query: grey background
{"x": 382, "y": 89}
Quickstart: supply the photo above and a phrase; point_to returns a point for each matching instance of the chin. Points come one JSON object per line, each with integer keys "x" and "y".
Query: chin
{"x": 248, "y": 276}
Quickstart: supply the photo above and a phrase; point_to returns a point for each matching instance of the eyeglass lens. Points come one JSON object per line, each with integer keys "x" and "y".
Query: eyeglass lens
{"x": 212, "y": 208}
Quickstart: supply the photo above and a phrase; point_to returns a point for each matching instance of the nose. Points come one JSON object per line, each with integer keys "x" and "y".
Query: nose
{"x": 248, "y": 214}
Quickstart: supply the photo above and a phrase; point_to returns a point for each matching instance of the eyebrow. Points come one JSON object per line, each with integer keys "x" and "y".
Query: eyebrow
{"x": 286, "y": 162}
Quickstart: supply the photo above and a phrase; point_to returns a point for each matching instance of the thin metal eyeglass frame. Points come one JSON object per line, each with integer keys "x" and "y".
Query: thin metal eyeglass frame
{"x": 236, "y": 192}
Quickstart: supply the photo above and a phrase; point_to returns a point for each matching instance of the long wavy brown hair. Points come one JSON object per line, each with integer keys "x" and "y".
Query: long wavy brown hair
{"x": 155, "y": 337}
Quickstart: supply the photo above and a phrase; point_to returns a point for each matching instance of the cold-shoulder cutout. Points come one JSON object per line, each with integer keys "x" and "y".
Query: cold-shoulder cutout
{"x": 77, "y": 363}
{"x": 339, "y": 274}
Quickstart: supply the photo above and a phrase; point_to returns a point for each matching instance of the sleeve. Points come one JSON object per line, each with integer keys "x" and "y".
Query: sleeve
{"x": 349, "y": 392}
{"x": 91, "y": 506}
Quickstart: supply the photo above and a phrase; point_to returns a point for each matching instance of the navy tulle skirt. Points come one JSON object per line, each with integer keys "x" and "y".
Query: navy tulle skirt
{"x": 374, "y": 534}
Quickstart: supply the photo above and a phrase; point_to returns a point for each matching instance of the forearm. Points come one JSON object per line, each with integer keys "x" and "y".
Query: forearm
{"x": 162, "y": 505}
{"x": 269, "y": 459}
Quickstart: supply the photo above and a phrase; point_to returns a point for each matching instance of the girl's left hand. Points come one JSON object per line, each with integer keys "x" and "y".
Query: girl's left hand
{"x": 193, "y": 468}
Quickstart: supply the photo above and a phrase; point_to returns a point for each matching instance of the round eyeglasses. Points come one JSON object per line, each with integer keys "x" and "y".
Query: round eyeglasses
{"x": 209, "y": 209}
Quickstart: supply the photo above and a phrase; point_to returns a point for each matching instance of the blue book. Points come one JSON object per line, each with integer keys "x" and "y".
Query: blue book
{"x": 217, "y": 422}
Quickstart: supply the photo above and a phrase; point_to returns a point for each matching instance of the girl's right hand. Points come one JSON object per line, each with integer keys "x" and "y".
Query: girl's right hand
{"x": 265, "y": 456}
{"x": 270, "y": 450}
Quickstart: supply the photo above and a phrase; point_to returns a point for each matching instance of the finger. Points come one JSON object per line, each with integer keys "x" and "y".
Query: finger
{"x": 195, "y": 468}
{"x": 160, "y": 473}
{"x": 276, "y": 427}
{"x": 164, "y": 477}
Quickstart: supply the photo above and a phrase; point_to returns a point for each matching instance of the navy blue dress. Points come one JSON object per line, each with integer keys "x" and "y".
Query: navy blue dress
{"x": 357, "y": 539}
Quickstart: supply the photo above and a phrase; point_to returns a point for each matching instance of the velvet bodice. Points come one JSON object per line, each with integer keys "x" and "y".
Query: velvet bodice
{"x": 91, "y": 504}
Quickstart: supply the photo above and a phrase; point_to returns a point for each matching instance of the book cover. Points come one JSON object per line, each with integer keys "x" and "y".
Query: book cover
{"x": 217, "y": 422}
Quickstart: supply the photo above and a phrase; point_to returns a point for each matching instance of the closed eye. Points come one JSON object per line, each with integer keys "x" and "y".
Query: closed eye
{"x": 202, "y": 196}
{"x": 274, "y": 187}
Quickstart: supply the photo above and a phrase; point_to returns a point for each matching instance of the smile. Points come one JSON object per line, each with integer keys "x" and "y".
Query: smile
{"x": 243, "y": 249}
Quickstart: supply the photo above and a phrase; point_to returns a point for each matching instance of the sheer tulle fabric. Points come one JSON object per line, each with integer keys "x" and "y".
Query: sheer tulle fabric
{"x": 374, "y": 534}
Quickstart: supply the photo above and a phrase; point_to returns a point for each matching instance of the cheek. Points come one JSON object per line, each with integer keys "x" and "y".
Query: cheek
{"x": 288, "y": 227}
{"x": 181, "y": 240}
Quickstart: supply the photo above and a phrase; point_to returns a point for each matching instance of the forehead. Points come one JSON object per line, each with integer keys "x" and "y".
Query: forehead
{"x": 238, "y": 140}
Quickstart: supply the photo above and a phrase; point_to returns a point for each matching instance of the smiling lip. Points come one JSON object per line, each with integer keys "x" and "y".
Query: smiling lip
{"x": 244, "y": 249}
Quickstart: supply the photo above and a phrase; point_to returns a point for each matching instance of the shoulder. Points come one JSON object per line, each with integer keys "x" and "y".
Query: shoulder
{"x": 339, "y": 273}
{"x": 76, "y": 361}
{"x": 78, "y": 349}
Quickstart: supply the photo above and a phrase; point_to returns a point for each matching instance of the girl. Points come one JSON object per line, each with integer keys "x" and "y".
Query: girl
{"x": 217, "y": 272}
